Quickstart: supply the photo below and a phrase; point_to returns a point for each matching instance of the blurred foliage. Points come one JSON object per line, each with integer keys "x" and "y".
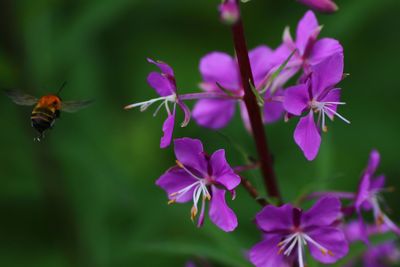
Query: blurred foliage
{"x": 85, "y": 196}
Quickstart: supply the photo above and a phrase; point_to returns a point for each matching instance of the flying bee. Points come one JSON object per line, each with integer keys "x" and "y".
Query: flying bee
{"x": 47, "y": 108}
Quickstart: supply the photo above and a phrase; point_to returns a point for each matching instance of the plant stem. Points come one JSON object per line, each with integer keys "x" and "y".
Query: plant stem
{"x": 254, "y": 110}
{"x": 243, "y": 168}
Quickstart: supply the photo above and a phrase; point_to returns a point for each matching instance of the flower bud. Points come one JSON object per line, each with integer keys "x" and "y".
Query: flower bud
{"x": 325, "y": 6}
{"x": 229, "y": 11}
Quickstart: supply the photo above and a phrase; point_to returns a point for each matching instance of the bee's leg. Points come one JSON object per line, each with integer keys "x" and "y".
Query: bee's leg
{"x": 40, "y": 137}
{"x": 52, "y": 123}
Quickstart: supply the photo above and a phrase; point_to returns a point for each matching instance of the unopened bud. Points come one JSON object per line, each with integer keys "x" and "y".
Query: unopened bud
{"x": 325, "y": 6}
{"x": 229, "y": 11}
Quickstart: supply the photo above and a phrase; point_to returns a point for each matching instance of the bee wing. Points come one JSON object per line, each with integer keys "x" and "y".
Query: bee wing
{"x": 73, "y": 106}
{"x": 21, "y": 98}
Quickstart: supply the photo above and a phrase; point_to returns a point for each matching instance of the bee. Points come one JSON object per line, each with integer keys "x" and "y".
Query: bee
{"x": 47, "y": 108}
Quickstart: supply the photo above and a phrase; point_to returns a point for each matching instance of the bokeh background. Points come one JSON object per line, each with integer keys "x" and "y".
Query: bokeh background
{"x": 85, "y": 196}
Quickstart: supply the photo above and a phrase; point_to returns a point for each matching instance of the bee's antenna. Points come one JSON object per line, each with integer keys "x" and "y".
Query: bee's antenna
{"x": 61, "y": 88}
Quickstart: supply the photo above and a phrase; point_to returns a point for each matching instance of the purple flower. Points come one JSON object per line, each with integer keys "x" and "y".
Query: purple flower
{"x": 382, "y": 255}
{"x": 288, "y": 229}
{"x": 355, "y": 231}
{"x": 221, "y": 68}
{"x": 326, "y": 6}
{"x": 317, "y": 95}
{"x": 165, "y": 85}
{"x": 229, "y": 11}
{"x": 368, "y": 196}
{"x": 199, "y": 177}
{"x": 309, "y": 50}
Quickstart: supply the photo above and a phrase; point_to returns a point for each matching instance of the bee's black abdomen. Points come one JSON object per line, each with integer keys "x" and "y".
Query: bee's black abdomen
{"x": 40, "y": 124}
{"x": 42, "y": 119}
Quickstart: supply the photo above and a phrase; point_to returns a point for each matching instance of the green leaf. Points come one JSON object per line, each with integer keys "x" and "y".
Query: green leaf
{"x": 260, "y": 99}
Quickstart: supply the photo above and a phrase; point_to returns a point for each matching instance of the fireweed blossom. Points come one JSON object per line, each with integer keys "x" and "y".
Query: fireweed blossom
{"x": 198, "y": 177}
{"x": 309, "y": 50}
{"x": 325, "y": 6}
{"x": 287, "y": 230}
{"x": 368, "y": 196}
{"x": 317, "y": 95}
{"x": 383, "y": 255}
{"x": 165, "y": 85}
{"x": 355, "y": 231}
{"x": 218, "y": 68}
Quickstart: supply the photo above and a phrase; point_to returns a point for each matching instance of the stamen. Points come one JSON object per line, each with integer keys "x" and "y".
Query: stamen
{"x": 167, "y": 107}
{"x": 290, "y": 248}
{"x": 145, "y": 104}
{"x": 380, "y": 220}
{"x": 184, "y": 190}
{"x": 300, "y": 252}
{"x": 158, "y": 109}
{"x": 193, "y": 213}
{"x": 323, "y": 250}
{"x": 287, "y": 240}
{"x": 324, "y": 127}
{"x": 335, "y": 103}
{"x": 338, "y": 115}
{"x": 180, "y": 165}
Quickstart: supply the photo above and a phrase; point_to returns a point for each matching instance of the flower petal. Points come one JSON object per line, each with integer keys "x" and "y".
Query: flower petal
{"x": 190, "y": 153}
{"x": 222, "y": 172}
{"x": 272, "y": 218}
{"x": 220, "y": 67}
{"x": 220, "y": 214}
{"x": 186, "y": 112}
{"x": 273, "y": 110}
{"x": 377, "y": 183}
{"x": 174, "y": 180}
{"x": 162, "y": 85}
{"x": 326, "y": 6}
{"x": 327, "y": 74}
{"x": 374, "y": 159}
{"x": 266, "y": 253}
{"x": 213, "y": 113}
{"x": 330, "y": 238}
{"x": 306, "y": 30}
{"x": 245, "y": 116}
{"x": 307, "y": 136}
{"x": 261, "y": 62}
{"x": 296, "y": 99}
{"x": 164, "y": 67}
{"x": 324, "y": 212}
{"x": 363, "y": 192}
{"x": 323, "y": 49}
{"x": 332, "y": 96}
{"x": 168, "y": 129}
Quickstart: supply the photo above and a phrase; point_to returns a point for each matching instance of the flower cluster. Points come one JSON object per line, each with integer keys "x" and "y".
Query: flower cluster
{"x": 299, "y": 78}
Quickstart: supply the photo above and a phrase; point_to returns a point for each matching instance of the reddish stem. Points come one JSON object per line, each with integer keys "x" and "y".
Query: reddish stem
{"x": 254, "y": 110}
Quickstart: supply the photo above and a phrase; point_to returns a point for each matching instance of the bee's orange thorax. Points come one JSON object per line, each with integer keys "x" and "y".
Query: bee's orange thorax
{"x": 52, "y": 102}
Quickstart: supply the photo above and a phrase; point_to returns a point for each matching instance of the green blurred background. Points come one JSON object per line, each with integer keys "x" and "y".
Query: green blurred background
{"x": 85, "y": 196}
